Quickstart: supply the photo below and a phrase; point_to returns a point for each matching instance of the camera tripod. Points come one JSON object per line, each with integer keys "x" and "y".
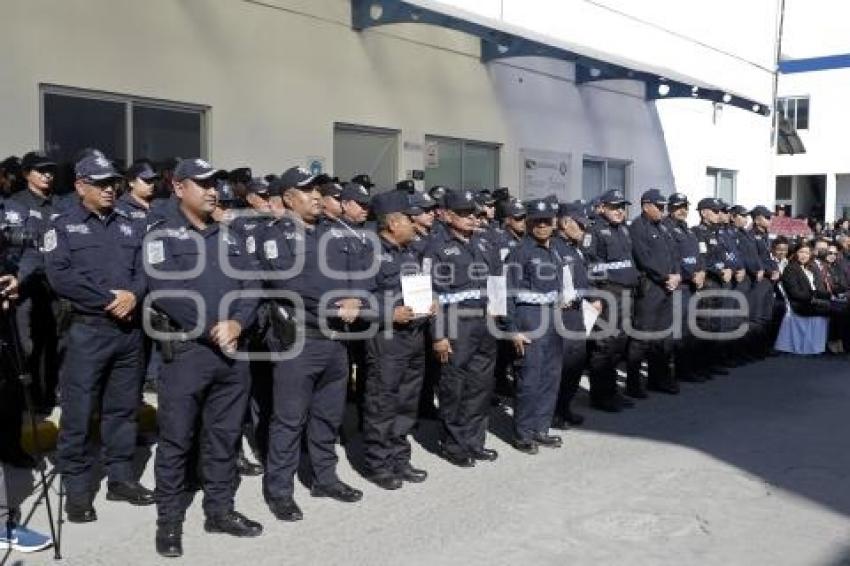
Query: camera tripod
{"x": 14, "y": 359}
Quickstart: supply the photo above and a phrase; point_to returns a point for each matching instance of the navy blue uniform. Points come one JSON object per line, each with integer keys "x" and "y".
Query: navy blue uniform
{"x": 459, "y": 270}
{"x": 37, "y": 307}
{"x": 201, "y": 383}
{"x": 132, "y": 208}
{"x": 609, "y": 251}
{"x": 714, "y": 256}
{"x": 656, "y": 258}
{"x": 396, "y": 368}
{"x": 86, "y": 257}
{"x": 574, "y": 357}
{"x": 504, "y": 243}
{"x": 690, "y": 262}
{"x": 534, "y": 282}
{"x": 310, "y": 388}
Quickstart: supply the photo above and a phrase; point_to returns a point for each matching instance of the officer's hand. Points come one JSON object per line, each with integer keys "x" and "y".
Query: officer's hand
{"x": 774, "y": 276}
{"x": 123, "y": 305}
{"x": 520, "y": 340}
{"x": 740, "y": 275}
{"x": 759, "y": 275}
{"x": 727, "y": 275}
{"x": 226, "y": 335}
{"x": 443, "y": 349}
{"x": 699, "y": 279}
{"x": 402, "y": 315}
{"x": 8, "y": 289}
{"x": 673, "y": 281}
{"x": 597, "y": 305}
{"x": 349, "y": 309}
{"x": 435, "y": 306}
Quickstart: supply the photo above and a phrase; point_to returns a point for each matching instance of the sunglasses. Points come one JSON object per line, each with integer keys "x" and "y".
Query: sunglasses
{"x": 102, "y": 184}
{"x": 465, "y": 213}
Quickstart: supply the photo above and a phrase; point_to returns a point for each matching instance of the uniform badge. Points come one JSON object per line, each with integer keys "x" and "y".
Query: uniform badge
{"x": 35, "y": 213}
{"x": 155, "y": 252}
{"x": 13, "y": 217}
{"x": 250, "y": 245}
{"x": 50, "y": 240}
{"x": 270, "y": 249}
{"x": 703, "y": 248}
{"x": 126, "y": 230}
{"x": 588, "y": 238}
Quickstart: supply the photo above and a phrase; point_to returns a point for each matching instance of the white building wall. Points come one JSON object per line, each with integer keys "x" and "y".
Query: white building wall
{"x": 277, "y": 80}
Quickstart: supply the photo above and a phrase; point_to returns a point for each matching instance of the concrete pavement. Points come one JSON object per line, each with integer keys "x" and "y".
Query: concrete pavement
{"x": 749, "y": 469}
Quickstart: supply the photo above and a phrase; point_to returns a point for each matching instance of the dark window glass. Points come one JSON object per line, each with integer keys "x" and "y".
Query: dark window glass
{"x": 72, "y": 123}
{"x": 802, "y": 113}
{"x": 162, "y": 133}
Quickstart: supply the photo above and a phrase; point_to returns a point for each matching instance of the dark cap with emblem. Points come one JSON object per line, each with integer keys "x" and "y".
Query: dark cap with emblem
{"x": 438, "y": 193}
{"x": 653, "y": 196}
{"x": 678, "y": 199}
{"x": 36, "y": 160}
{"x": 258, "y": 186}
{"x": 141, "y": 170}
{"x": 276, "y": 187}
{"x": 614, "y": 197}
{"x": 356, "y": 192}
{"x": 299, "y": 178}
{"x": 575, "y": 211}
{"x": 539, "y": 209}
{"x": 394, "y": 201}
{"x": 515, "y": 209}
{"x": 739, "y": 210}
{"x": 423, "y": 201}
{"x": 761, "y": 210}
{"x": 240, "y": 175}
{"x": 407, "y": 185}
{"x": 459, "y": 200}
{"x": 196, "y": 169}
{"x": 724, "y": 206}
{"x": 95, "y": 168}
{"x": 709, "y": 203}
{"x": 224, "y": 192}
{"x": 484, "y": 198}
{"x": 330, "y": 190}
{"x": 364, "y": 180}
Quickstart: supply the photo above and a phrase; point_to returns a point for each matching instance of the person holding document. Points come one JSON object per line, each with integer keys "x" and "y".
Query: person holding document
{"x": 395, "y": 358}
{"x": 535, "y": 285}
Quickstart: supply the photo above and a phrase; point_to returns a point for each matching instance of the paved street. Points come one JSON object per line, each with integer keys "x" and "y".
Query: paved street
{"x": 750, "y": 469}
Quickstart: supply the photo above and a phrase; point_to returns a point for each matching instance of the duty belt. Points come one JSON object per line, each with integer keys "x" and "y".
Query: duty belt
{"x": 453, "y": 298}
{"x": 532, "y": 298}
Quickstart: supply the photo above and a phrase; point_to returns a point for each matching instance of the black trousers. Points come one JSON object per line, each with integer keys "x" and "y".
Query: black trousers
{"x": 606, "y": 352}
{"x": 103, "y": 370}
{"x": 309, "y": 396}
{"x": 396, "y": 370}
{"x": 466, "y": 385}
{"x": 199, "y": 385}
{"x": 573, "y": 362}
{"x": 653, "y": 314}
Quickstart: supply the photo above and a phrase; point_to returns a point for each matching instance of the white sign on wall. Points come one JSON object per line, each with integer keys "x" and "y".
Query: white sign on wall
{"x": 432, "y": 155}
{"x": 544, "y": 173}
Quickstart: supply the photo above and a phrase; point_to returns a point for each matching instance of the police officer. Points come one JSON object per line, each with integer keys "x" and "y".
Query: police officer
{"x": 732, "y": 350}
{"x": 763, "y": 295}
{"x": 203, "y": 381}
{"x": 36, "y": 314}
{"x": 508, "y": 238}
{"x": 658, "y": 263}
{"x": 92, "y": 259}
{"x": 692, "y": 270}
{"x": 535, "y": 284}
{"x": 754, "y": 274}
{"x": 363, "y": 180}
{"x": 396, "y": 359}
{"x": 718, "y": 277}
{"x": 609, "y": 251}
{"x": 309, "y": 389}
{"x": 331, "y": 206}
{"x": 460, "y": 265}
{"x": 422, "y": 222}
{"x": 572, "y": 224}
{"x": 141, "y": 182}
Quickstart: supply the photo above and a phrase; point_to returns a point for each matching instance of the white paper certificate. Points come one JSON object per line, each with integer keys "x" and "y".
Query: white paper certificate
{"x": 589, "y": 314}
{"x": 416, "y": 293}
{"x": 568, "y": 290}
{"x": 497, "y": 295}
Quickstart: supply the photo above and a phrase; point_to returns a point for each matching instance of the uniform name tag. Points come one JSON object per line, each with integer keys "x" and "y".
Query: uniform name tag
{"x": 270, "y": 249}
{"x": 250, "y": 244}
{"x": 588, "y": 238}
{"x": 155, "y": 252}
{"x": 703, "y": 248}
{"x": 50, "y": 240}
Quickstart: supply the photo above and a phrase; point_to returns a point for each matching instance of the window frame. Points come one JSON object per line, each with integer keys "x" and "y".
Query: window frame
{"x": 464, "y": 142}
{"x": 784, "y": 103}
{"x": 717, "y": 173}
{"x": 129, "y": 101}
{"x": 606, "y": 163}
{"x": 374, "y": 130}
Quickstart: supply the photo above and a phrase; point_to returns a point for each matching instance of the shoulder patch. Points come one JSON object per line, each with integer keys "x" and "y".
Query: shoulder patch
{"x": 270, "y": 249}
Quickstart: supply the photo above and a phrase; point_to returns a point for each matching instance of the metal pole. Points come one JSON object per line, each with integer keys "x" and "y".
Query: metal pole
{"x": 779, "y": 30}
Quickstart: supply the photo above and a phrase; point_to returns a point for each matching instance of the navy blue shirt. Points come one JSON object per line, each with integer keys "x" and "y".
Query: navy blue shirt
{"x": 88, "y": 255}
{"x": 131, "y": 207}
{"x": 712, "y": 252}
{"x": 762, "y": 240}
{"x": 534, "y": 278}
{"x": 395, "y": 262}
{"x": 609, "y": 251}
{"x": 175, "y": 245}
{"x": 687, "y": 248}
{"x": 654, "y": 249}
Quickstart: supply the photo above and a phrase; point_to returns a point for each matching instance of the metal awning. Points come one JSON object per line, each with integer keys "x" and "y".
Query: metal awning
{"x": 500, "y": 40}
